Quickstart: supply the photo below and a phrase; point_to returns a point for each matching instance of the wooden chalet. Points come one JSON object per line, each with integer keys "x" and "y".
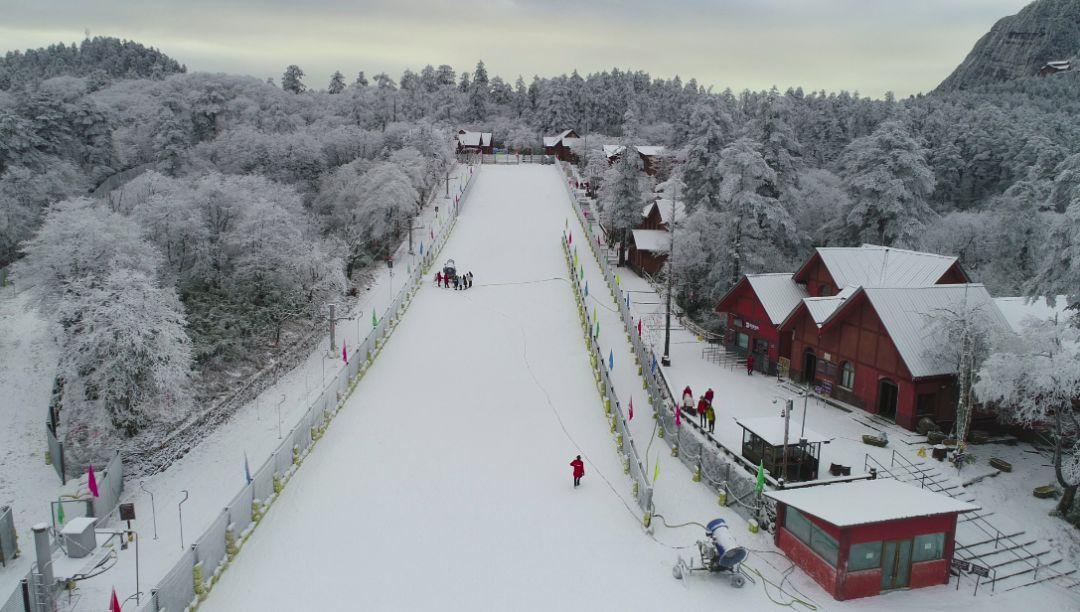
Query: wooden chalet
{"x": 561, "y": 146}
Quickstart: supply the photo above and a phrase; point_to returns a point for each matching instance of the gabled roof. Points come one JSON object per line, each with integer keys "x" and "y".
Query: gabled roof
{"x": 873, "y": 265}
{"x": 907, "y": 314}
{"x": 474, "y": 139}
{"x": 771, "y": 430}
{"x": 551, "y": 141}
{"x": 1016, "y": 309}
{"x": 821, "y": 308}
{"x": 869, "y": 501}
{"x": 778, "y": 294}
{"x": 666, "y": 208}
{"x": 652, "y": 241}
{"x": 646, "y": 150}
{"x": 1059, "y": 65}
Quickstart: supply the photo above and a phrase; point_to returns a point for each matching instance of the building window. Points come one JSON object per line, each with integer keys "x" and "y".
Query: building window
{"x": 824, "y": 291}
{"x": 742, "y": 340}
{"x": 864, "y": 556}
{"x": 925, "y": 404}
{"x": 847, "y": 375}
{"x": 928, "y": 547}
{"x": 761, "y": 346}
{"x": 811, "y": 535}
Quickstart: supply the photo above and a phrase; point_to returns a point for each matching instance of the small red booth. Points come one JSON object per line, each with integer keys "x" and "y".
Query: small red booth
{"x": 861, "y": 538}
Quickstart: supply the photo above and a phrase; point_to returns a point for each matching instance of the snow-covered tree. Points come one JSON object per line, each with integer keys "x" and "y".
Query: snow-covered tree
{"x": 292, "y": 80}
{"x": 889, "y": 183}
{"x": 1033, "y": 380}
{"x": 621, "y": 198}
{"x": 337, "y": 83}
{"x": 361, "y": 80}
{"x": 126, "y": 365}
{"x": 702, "y": 161}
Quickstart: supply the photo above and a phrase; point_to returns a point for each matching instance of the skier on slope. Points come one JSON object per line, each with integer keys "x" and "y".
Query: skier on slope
{"x": 579, "y": 470}
{"x": 688, "y": 400}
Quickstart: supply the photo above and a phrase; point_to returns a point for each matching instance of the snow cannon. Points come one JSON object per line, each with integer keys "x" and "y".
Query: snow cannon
{"x": 719, "y": 554}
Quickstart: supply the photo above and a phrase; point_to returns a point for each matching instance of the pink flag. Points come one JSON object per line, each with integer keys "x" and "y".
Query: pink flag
{"x": 678, "y": 416}
{"x": 631, "y": 409}
{"x": 114, "y": 602}
{"x": 91, "y": 481}
{"x": 344, "y": 353}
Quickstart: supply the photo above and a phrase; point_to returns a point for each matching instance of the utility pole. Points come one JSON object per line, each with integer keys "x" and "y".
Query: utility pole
{"x": 666, "y": 359}
{"x": 788, "y": 405}
{"x": 333, "y": 324}
{"x": 447, "y": 196}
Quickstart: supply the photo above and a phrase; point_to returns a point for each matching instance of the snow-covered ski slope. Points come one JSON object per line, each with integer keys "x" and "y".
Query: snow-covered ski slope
{"x": 445, "y": 482}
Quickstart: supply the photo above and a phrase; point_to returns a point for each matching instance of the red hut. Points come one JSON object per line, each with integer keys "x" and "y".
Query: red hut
{"x": 754, "y": 308}
{"x": 650, "y": 241}
{"x": 562, "y": 145}
{"x": 474, "y": 142}
{"x": 865, "y": 537}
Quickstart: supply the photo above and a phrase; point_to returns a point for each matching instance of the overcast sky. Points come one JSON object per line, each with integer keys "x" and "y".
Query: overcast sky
{"x": 870, "y": 46}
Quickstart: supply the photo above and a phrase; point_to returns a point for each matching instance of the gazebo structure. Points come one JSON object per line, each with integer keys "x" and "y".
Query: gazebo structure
{"x": 763, "y": 443}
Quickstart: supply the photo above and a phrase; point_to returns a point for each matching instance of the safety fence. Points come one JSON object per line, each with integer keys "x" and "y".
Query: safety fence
{"x": 9, "y": 543}
{"x": 724, "y": 470}
{"x": 110, "y": 488}
{"x": 196, "y": 572}
{"x": 55, "y": 451}
{"x": 620, "y": 427}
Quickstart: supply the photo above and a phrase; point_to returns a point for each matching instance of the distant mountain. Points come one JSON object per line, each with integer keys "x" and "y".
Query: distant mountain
{"x": 100, "y": 57}
{"x": 1019, "y": 45}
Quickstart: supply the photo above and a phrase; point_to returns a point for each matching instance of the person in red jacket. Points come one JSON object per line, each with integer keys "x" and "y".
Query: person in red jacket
{"x": 438, "y": 279}
{"x": 702, "y": 405}
{"x": 749, "y": 365}
{"x": 579, "y": 470}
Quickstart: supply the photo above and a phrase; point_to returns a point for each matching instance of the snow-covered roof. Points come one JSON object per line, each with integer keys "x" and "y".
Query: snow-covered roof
{"x": 873, "y": 265}
{"x": 646, "y": 150}
{"x": 551, "y": 141}
{"x": 474, "y": 139}
{"x": 665, "y": 207}
{"x": 1059, "y": 65}
{"x": 771, "y": 430}
{"x": 778, "y": 294}
{"x": 651, "y": 240}
{"x": 821, "y": 308}
{"x": 906, "y": 313}
{"x": 1016, "y": 309}
{"x": 860, "y": 502}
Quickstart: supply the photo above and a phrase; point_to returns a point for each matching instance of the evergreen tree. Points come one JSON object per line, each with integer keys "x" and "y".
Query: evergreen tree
{"x": 293, "y": 80}
{"x": 621, "y": 198}
{"x": 337, "y": 83}
{"x": 700, "y": 172}
{"x": 361, "y": 80}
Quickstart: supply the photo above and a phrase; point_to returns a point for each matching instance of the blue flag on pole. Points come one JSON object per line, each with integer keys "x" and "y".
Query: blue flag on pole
{"x": 586, "y": 288}
{"x": 247, "y": 469}
{"x": 628, "y": 301}
{"x": 611, "y": 360}
{"x": 653, "y": 367}
{"x": 421, "y": 247}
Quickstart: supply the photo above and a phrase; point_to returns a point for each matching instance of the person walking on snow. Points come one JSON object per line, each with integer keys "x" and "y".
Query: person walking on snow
{"x": 579, "y": 470}
{"x": 470, "y": 279}
{"x": 710, "y": 416}
{"x": 749, "y": 365}
{"x": 709, "y": 395}
{"x": 688, "y": 400}
{"x": 701, "y": 405}
{"x": 438, "y": 279}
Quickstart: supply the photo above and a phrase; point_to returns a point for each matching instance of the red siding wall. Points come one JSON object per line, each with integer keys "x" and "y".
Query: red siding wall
{"x": 744, "y": 304}
{"x": 807, "y": 560}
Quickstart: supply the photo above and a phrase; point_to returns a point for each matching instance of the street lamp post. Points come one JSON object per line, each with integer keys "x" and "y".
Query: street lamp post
{"x": 666, "y": 359}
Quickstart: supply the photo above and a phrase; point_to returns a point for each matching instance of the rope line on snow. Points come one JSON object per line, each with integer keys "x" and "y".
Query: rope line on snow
{"x": 554, "y": 410}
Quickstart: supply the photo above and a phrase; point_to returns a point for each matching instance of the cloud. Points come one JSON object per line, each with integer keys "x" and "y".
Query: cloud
{"x": 871, "y": 46}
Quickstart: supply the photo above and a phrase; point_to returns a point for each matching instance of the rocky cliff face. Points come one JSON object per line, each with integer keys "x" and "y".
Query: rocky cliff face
{"x": 1019, "y": 45}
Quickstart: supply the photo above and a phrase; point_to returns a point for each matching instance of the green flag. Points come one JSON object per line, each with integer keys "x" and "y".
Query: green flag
{"x": 582, "y": 272}
{"x": 60, "y": 512}
{"x": 575, "y": 259}
{"x": 760, "y": 478}
{"x": 374, "y": 319}
{"x": 656, "y": 471}
{"x": 618, "y": 281}
{"x": 596, "y": 334}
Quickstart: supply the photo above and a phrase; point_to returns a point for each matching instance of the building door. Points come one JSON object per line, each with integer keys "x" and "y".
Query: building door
{"x": 895, "y": 564}
{"x": 886, "y": 402}
{"x": 809, "y": 366}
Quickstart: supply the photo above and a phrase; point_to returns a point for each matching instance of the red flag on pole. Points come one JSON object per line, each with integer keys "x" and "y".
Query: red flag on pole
{"x": 639, "y": 327}
{"x": 91, "y": 481}
{"x": 570, "y": 238}
{"x": 678, "y": 416}
{"x": 344, "y": 353}
{"x": 631, "y": 409}
{"x": 114, "y": 602}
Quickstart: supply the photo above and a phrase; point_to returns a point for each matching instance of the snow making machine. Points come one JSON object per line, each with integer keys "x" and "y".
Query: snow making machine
{"x": 719, "y": 554}
{"x": 449, "y": 271}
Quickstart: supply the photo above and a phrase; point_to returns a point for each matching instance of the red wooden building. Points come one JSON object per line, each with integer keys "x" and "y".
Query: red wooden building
{"x": 756, "y": 306}
{"x": 650, "y": 156}
{"x": 650, "y": 241}
{"x": 865, "y": 537}
{"x": 562, "y": 146}
{"x": 474, "y": 142}
{"x": 876, "y": 348}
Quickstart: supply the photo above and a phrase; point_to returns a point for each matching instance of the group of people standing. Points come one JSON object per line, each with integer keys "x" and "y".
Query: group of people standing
{"x": 704, "y": 409}
{"x": 457, "y": 281}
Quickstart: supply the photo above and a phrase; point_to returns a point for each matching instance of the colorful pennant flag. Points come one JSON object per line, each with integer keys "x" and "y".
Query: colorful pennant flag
{"x": 114, "y": 602}
{"x": 678, "y": 416}
{"x": 421, "y": 247}
{"x": 374, "y": 319}
{"x": 760, "y": 478}
{"x": 611, "y": 360}
{"x": 587, "y": 292}
{"x": 631, "y": 409}
{"x": 618, "y": 281}
{"x": 570, "y": 239}
{"x": 639, "y": 327}
{"x": 247, "y": 469}
{"x": 91, "y": 481}
{"x": 59, "y": 511}
{"x": 656, "y": 471}
{"x": 344, "y": 353}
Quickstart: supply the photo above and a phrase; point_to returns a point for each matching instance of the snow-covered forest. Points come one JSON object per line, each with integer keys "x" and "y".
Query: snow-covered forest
{"x": 256, "y": 202}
